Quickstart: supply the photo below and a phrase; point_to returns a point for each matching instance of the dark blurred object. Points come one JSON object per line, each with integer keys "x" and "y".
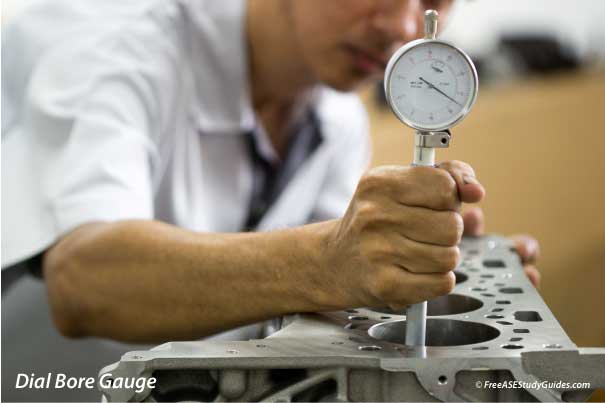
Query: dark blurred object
{"x": 539, "y": 54}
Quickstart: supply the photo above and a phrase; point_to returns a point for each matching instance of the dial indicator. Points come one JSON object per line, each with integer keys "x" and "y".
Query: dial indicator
{"x": 439, "y": 82}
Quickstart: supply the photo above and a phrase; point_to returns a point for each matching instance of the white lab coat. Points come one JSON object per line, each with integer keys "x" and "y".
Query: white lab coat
{"x": 137, "y": 110}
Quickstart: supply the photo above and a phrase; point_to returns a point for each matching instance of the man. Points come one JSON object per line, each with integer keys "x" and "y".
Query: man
{"x": 150, "y": 148}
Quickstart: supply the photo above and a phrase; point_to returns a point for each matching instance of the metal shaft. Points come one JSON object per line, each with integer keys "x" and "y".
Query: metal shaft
{"x": 430, "y": 24}
{"x": 415, "y": 328}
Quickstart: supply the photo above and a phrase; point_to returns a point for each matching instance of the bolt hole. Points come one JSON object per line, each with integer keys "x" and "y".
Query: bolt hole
{"x": 515, "y": 339}
{"x": 528, "y": 316}
{"x": 337, "y": 343}
{"x": 494, "y": 316}
{"x": 442, "y": 380}
{"x": 511, "y": 290}
{"x": 232, "y": 351}
{"x": 385, "y": 317}
{"x": 370, "y": 348}
{"x": 512, "y": 346}
{"x": 503, "y": 302}
{"x": 352, "y": 311}
{"x": 503, "y": 322}
{"x": 497, "y": 309}
{"x": 444, "y": 141}
{"x": 480, "y": 348}
{"x": 358, "y": 318}
{"x": 520, "y": 330}
{"x": 494, "y": 264}
{"x": 261, "y": 345}
{"x": 487, "y": 294}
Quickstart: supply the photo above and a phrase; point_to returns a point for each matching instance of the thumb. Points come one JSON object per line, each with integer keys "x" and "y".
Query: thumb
{"x": 469, "y": 189}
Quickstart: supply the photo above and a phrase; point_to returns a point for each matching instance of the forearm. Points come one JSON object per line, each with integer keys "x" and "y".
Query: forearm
{"x": 149, "y": 281}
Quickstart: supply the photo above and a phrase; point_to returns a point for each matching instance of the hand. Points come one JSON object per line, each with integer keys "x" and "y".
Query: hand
{"x": 527, "y": 247}
{"x": 398, "y": 241}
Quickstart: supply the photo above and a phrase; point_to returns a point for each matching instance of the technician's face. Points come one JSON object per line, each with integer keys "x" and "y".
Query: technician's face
{"x": 348, "y": 42}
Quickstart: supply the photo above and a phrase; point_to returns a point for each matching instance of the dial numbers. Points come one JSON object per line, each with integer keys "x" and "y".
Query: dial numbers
{"x": 439, "y": 86}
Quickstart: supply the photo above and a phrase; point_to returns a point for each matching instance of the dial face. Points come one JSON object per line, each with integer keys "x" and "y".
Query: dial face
{"x": 431, "y": 85}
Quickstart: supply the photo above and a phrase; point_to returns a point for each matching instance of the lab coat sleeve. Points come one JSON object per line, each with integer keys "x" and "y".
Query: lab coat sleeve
{"x": 86, "y": 150}
{"x": 351, "y": 154}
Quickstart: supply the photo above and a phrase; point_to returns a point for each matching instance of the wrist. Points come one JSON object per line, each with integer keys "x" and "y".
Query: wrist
{"x": 326, "y": 291}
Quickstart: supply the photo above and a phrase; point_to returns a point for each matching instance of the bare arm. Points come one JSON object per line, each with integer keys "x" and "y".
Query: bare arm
{"x": 148, "y": 281}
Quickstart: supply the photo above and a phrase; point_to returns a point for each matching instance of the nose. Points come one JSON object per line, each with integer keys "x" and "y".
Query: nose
{"x": 399, "y": 20}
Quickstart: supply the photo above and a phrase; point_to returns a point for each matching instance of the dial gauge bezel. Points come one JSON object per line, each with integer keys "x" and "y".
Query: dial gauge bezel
{"x": 393, "y": 61}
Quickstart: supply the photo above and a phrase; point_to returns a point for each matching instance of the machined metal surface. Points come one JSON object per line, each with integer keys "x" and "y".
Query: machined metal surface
{"x": 493, "y": 328}
{"x": 433, "y": 139}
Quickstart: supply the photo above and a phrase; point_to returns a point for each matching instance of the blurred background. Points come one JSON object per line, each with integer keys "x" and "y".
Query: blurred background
{"x": 534, "y": 139}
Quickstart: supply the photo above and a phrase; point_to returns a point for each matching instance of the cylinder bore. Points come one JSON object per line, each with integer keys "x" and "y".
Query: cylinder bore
{"x": 439, "y": 332}
{"x": 451, "y": 304}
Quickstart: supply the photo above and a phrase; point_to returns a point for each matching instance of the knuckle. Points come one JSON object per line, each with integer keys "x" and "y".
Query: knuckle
{"x": 453, "y": 228}
{"x": 366, "y": 210}
{"x": 465, "y": 167}
{"x": 450, "y": 259}
{"x": 446, "y": 284}
{"x": 379, "y": 179}
{"x": 365, "y": 214}
{"x": 446, "y": 181}
{"x": 370, "y": 181}
{"x": 457, "y": 165}
{"x": 447, "y": 188}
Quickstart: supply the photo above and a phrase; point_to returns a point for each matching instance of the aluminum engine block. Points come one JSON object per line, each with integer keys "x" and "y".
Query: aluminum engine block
{"x": 494, "y": 327}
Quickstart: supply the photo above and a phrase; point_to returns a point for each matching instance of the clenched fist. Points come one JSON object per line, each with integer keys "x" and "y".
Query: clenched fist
{"x": 398, "y": 241}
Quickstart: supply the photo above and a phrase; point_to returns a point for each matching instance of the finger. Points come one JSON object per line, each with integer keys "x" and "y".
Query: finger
{"x": 474, "y": 224}
{"x": 533, "y": 274}
{"x": 412, "y": 186}
{"x": 417, "y": 257}
{"x": 399, "y": 288}
{"x": 527, "y": 247}
{"x": 441, "y": 228}
{"x": 469, "y": 188}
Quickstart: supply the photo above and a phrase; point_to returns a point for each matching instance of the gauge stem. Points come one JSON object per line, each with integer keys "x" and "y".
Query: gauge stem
{"x": 430, "y": 24}
{"x": 423, "y": 156}
{"x": 415, "y": 333}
